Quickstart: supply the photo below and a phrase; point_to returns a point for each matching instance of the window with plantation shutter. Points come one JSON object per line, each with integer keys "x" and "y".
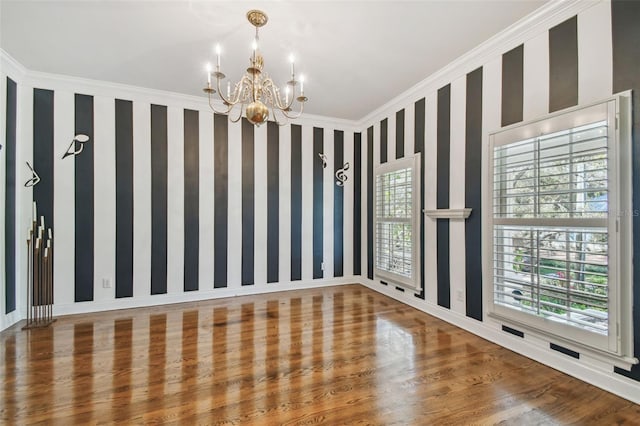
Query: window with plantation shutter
{"x": 558, "y": 201}
{"x": 396, "y": 222}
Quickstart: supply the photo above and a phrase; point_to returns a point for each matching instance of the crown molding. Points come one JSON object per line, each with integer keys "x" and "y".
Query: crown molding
{"x": 142, "y": 94}
{"x": 10, "y": 66}
{"x": 550, "y": 14}
{"x": 541, "y": 19}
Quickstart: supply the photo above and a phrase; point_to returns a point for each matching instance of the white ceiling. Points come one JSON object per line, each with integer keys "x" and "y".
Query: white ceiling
{"x": 355, "y": 55}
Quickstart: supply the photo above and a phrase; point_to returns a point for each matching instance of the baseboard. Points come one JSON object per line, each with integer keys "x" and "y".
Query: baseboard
{"x": 10, "y": 319}
{"x": 607, "y": 380}
{"x": 195, "y": 296}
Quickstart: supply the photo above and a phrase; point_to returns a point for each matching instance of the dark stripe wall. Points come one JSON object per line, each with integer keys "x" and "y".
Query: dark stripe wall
{"x": 296, "y": 202}
{"x": 9, "y": 150}
{"x": 273, "y": 202}
{"x": 370, "y": 203}
{"x": 512, "y": 85}
{"x": 43, "y": 154}
{"x": 419, "y": 136}
{"x": 124, "y": 198}
{"x": 159, "y": 163}
{"x": 384, "y": 137}
{"x": 563, "y": 65}
{"x": 221, "y": 202}
{"x": 318, "y": 202}
{"x": 473, "y": 194}
{"x": 84, "y": 201}
{"x": 357, "y": 204}
{"x": 338, "y": 206}
{"x": 191, "y": 200}
{"x": 248, "y": 202}
{"x": 443, "y": 150}
{"x": 400, "y": 134}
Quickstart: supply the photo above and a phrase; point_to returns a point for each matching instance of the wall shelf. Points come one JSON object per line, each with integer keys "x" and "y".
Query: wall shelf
{"x": 453, "y": 214}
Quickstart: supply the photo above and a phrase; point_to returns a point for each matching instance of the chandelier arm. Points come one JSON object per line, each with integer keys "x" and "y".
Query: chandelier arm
{"x": 215, "y": 110}
{"x": 295, "y": 115}
{"x": 239, "y": 115}
{"x": 278, "y": 122}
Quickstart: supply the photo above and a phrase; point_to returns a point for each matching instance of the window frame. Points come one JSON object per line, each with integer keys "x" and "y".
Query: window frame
{"x": 412, "y": 162}
{"x": 617, "y": 345}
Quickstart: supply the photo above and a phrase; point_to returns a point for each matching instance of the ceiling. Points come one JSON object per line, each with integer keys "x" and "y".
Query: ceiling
{"x": 355, "y": 55}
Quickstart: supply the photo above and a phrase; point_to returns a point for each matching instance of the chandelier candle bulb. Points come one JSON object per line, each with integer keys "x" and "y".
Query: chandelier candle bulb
{"x": 228, "y": 89}
{"x": 292, "y": 60}
{"x": 209, "y": 74}
{"x": 218, "y": 56}
{"x": 301, "y": 85}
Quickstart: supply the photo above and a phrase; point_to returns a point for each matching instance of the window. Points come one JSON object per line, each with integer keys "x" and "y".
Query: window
{"x": 396, "y": 222}
{"x": 560, "y": 227}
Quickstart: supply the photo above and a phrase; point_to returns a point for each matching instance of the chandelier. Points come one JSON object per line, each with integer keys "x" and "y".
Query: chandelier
{"x": 255, "y": 93}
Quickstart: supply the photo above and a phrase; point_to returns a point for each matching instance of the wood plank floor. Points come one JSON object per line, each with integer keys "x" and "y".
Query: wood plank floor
{"x": 340, "y": 355}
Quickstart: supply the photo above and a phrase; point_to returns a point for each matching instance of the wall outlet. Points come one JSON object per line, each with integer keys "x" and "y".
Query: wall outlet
{"x": 460, "y": 296}
{"x": 106, "y": 283}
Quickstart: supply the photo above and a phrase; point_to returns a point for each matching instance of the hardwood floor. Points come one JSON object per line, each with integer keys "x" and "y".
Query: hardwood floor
{"x": 340, "y": 355}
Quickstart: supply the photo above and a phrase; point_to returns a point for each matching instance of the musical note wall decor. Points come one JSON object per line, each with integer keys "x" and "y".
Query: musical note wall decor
{"x": 33, "y": 181}
{"x": 73, "y": 149}
{"x": 323, "y": 157}
{"x": 341, "y": 176}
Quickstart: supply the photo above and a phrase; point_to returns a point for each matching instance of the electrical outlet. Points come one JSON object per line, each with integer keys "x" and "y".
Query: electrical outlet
{"x": 106, "y": 283}
{"x": 460, "y": 296}
{"x": 322, "y": 266}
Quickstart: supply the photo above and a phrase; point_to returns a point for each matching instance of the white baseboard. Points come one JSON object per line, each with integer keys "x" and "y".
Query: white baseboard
{"x": 10, "y": 319}
{"x": 604, "y": 379}
{"x": 194, "y": 296}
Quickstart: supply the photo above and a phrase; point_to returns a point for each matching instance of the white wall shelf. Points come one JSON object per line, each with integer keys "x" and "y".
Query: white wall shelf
{"x": 453, "y": 214}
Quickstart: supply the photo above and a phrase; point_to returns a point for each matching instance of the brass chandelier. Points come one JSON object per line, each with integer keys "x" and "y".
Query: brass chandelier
{"x": 255, "y": 93}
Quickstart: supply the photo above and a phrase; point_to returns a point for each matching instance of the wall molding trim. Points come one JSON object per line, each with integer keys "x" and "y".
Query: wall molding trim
{"x": 587, "y": 370}
{"x": 550, "y": 14}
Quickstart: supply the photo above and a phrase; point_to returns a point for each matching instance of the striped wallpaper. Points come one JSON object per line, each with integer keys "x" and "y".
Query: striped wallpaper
{"x": 168, "y": 198}
{"x": 165, "y": 200}
{"x": 572, "y": 63}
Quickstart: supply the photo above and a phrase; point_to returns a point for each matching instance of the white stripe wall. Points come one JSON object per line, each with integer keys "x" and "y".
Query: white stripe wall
{"x": 347, "y": 238}
{"x": 234, "y": 224}
{"x": 64, "y": 202}
{"x": 430, "y": 194}
{"x": 457, "y": 194}
{"x": 535, "y": 77}
{"x": 327, "y": 197}
{"x": 595, "y": 61}
{"x": 260, "y": 205}
{"x": 307, "y": 202}
{"x": 391, "y": 138}
{"x": 284, "y": 200}
{"x": 206, "y": 201}
{"x": 141, "y": 200}
{"x": 175, "y": 199}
